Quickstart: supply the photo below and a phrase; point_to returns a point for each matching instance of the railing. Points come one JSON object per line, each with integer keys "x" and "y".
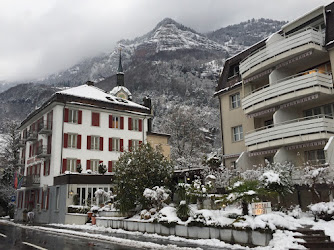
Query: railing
{"x": 297, "y": 39}
{"x": 43, "y": 151}
{"x": 296, "y": 127}
{"x": 31, "y": 180}
{"x": 32, "y": 135}
{"x": 45, "y": 127}
{"x": 308, "y": 79}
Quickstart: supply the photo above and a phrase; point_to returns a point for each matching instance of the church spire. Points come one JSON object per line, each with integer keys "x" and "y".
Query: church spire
{"x": 120, "y": 73}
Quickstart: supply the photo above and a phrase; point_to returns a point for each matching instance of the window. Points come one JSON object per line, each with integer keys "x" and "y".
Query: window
{"x": 315, "y": 157}
{"x": 95, "y": 143}
{"x": 94, "y": 165}
{"x": 325, "y": 109}
{"x": 71, "y": 165}
{"x": 116, "y": 123}
{"x": 235, "y": 101}
{"x": 47, "y": 167}
{"x": 135, "y": 144}
{"x": 95, "y": 119}
{"x": 73, "y": 116}
{"x": 237, "y": 133}
{"x": 116, "y": 144}
{"x": 135, "y": 124}
{"x": 72, "y": 140}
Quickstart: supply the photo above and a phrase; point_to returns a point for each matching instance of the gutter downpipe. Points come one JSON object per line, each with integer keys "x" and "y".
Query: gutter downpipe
{"x": 221, "y": 129}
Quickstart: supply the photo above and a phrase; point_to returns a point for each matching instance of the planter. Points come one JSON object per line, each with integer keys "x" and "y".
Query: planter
{"x": 90, "y": 214}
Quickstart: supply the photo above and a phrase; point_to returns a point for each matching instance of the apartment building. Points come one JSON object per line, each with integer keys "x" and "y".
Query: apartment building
{"x": 65, "y": 140}
{"x": 276, "y": 97}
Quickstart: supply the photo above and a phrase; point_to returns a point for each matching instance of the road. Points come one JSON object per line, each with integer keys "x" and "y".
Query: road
{"x": 14, "y": 237}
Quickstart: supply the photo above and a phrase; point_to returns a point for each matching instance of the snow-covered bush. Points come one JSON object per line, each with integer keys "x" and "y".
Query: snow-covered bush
{"x": 183, "y": 210}
{"x": 156, "y": 196}
{"x": 323, "y": 210}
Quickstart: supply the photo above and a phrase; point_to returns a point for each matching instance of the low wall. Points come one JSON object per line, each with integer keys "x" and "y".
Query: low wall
{"x": 243, "y": 237}
{"x": 77, "y": 219}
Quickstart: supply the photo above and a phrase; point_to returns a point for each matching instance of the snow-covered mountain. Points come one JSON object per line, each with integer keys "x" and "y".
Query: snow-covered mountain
{"x": 167, "y": 36}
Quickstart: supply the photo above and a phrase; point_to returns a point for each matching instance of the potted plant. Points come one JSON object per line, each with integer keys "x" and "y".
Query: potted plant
{"x": 79, "y": 168}
{"x": 102, "y": 168}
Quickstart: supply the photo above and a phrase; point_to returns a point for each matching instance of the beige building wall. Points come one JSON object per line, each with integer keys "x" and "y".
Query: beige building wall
{"x": 160, "y": 140}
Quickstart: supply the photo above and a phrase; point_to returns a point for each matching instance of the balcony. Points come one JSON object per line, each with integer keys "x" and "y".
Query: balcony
{"x": 43, "y": 152}
{"x": 291, "y": 132}
{"x": 21, "y": 162}
{"x": 45, "y": 127}
{"x": 281, "y": 50}
{"x": 288, "y": 89}
{"x": 31, "y": 180}
{"x": 32, "y": 136}
{"x": 22, "y": 143}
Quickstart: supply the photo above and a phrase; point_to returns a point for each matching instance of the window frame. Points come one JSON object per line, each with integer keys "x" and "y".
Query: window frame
{"x": 235, "y": 103}
{"x": 237, "y": 133}
{"x": 94, "y": 165}
{"x": 95, "y": 141}
{"x": 71, "y": 163}
{"x": 116, "y": 144}
{"x": 135, "y": 124}
{"x": 116, "y": 122}
{"x": 73, "y": 116}
{"x": 72, "y": 138}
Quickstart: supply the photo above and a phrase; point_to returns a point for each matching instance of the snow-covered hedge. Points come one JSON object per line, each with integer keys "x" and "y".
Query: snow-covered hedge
{"x": 323, "y": 210}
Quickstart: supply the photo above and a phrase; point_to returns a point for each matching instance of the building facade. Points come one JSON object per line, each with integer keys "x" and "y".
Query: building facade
{"x": 65, "y": 141}
{"x": 276, "y": 97}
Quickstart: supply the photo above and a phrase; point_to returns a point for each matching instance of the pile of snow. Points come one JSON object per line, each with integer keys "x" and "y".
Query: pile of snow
{"x": 322, "y": 207}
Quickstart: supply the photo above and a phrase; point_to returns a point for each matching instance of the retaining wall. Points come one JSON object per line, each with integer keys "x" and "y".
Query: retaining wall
{"x": 243, "y": 237}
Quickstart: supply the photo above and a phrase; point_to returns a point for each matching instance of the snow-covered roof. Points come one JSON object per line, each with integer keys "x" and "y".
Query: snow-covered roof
{"x": 117, "y": 89}
{"x": 94, "y": 93}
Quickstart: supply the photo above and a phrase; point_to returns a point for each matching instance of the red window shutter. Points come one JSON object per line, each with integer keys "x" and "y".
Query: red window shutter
{"x": 66, "y": 115}
{"x": 95, "y": 119}
{"x": 89, "y": 142}
{"x": 140, "y": 142}
{"x": 44, "y": 169}
{"x": 49, "y": 144}
{"x": 101, "y": 143}
{"x": 79, "y": 142}
{"x": 121, "y": 145}
{"x": 78, "y": 161}
{"x": 110, "y": 121}
{"x": 130, "y": 145}
{"x": 140, "y": 125}
{"x": 110, "y": 144}
{"x": 88, "y": 164}
{"x": 64, "y": 165}
{"x": 122, "y": 122}
{"x": 38, "y": 196}
{"x": 47, "y": 199}
{"x": 130, "y": 123}
{"x": 110, "y": 166}
{"x": 80, "y": 117}
{"x": 100, "y": 162}
{"x": 30, "y": 150}
{"x": 65, "y": 140}
{"x": 42, "y": 199}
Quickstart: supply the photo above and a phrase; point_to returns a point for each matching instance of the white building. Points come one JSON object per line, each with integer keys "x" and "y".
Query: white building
{"x": 78, "y": 127}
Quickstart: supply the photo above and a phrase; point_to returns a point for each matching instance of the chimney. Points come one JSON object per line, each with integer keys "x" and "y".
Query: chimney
{"x": 90, "y": 83}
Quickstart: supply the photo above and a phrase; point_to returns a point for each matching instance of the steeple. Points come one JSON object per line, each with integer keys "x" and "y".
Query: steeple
{"x": 120, "y": 73}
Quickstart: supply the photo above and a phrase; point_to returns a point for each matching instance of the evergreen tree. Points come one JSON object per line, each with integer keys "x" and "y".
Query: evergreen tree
{"x": 8, "y": 164}
{"x": 135, "y": 171}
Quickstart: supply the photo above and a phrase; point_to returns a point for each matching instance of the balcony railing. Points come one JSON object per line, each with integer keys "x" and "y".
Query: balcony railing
{"x": 294, "y": 128}
{"x": 292, "y": 84}
{"x": 31, "y": 180}
{"x": 43, "y": 152}
{"x": 45, "y": 127}
{"x": 292, "y": 41}
{"x": 32, "y": 136}
{"x": 21, "y": 162}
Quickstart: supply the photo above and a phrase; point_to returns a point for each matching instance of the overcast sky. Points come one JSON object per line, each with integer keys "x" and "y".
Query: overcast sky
{"x": 39, "y": 37}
